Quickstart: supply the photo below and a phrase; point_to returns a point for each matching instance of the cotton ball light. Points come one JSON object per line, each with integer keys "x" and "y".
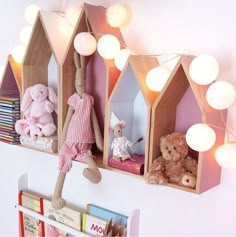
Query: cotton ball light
{"x": 226, "y": 155}
{"x": 18, "y": 53}
{"x": 116, "y": 15}
{"x": 221, "y": 95}
{"x": 85, "y": 43}
{"x": 200, "y": 137}
{"x": 72, "y": 15}
{"x": 108, "y": 46}
{"x": 25, "y": 34}
{"x": 156, "y": 78}
{"x": 204, "y": 69}
{"x": 121, "y": 58}
{"x": 31, "y": 13}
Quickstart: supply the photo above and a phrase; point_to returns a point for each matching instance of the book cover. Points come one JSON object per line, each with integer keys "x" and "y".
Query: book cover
{"x": 67, "y": 215}
{"x": 30, "y": 226}
{"x": 94, "y": 225}
{"x": 106, "y": 214}
{"x": 135, "y": 165}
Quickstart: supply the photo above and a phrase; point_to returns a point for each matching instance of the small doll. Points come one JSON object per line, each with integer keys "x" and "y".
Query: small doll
{"x": 80, "y": 131}
{"x": 121, "y": 144}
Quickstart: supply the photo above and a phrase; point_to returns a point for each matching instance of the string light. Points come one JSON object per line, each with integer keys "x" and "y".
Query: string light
{"x": 121, "y": 58}
{"x": 18, "y": 53}
{"x": 108, "y": 46}
{"x": 31, "y": 13}
{"x": 221, "y": 95}
{"x": 116, "y": 15}
{"x": 85, "y": 43}
{"x": 200, "y": 137}
{"x": 204, "y": 69}
{"x": 156, "y": 78}
{"x": 25, "y": 34}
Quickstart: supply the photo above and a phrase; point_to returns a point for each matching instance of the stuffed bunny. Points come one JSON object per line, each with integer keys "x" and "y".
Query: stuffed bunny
{"x": 80, "y": 131}
{"x": 38, "y": 103}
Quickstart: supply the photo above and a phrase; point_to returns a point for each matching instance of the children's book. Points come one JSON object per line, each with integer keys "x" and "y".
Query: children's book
{"x": 94, "y": 225}
{"x": 107, "y": 214}
{"x": 30, "y": 226}
{"x": 134, "y": 165}
{"x": 67, "y": 215}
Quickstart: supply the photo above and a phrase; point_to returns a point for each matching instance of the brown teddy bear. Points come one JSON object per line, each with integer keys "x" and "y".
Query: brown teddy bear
{"x": 174, "y": 165}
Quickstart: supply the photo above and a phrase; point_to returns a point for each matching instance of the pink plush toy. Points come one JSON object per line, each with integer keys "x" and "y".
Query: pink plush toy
{"x": 38, "y": 103}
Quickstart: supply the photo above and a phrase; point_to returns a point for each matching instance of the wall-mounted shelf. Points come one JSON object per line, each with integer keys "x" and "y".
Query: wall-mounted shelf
{"x": 132, "y": 222}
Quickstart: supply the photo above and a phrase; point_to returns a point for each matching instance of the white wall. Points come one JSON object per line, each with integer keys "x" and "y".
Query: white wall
{"x": 157, "y": 26}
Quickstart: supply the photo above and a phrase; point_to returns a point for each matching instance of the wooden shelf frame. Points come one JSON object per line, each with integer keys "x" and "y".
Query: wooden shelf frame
{"x": 164, "y": 122}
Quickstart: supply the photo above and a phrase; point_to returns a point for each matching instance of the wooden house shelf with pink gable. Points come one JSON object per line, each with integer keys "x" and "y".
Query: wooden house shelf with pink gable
{"x": 131, "y": 101}
{"x": 101, "y": 74}
{"x": 181, "y": 104}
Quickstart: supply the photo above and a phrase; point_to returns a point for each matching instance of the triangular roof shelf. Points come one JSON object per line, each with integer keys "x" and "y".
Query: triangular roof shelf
{"x": 100, "y": 72}
{"x": 130, "y": 83}
{"x": 11, "y": 83}
{"x": 46, "y": 39}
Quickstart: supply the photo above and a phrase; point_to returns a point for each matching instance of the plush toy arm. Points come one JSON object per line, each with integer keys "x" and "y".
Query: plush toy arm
{"x": 49, "y": 106}
{"x": 97, "y": 132}
{"x": 69, "y": 114}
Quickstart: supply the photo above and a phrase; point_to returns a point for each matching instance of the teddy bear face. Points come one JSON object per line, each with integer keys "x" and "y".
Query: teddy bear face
{"x": 39, "y": 92}
{"x": 173, "y": 147}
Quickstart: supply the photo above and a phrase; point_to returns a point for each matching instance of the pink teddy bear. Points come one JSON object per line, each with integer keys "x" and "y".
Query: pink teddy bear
{"x": 38, "y": 103}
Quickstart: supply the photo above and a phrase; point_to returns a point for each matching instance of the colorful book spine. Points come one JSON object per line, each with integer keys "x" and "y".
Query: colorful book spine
{"x": 134, "y": 165}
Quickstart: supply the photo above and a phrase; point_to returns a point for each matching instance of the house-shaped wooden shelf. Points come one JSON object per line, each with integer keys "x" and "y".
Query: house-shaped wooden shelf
{"x": 180, "y": 105}
{"x": 11, "y": 83}
{"x": 47, "y": 41}
{"x": 131, "y": 101}
{"x": 101, "y": 74}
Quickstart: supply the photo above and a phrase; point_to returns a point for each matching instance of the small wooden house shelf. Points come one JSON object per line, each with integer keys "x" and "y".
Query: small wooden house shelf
{"x": 132, "y": 101}
{"x": 47, "y": 40}
{"x": 181, "y": 104}
{"x": 11, "y": 83}
{"x": 101, "y": 74}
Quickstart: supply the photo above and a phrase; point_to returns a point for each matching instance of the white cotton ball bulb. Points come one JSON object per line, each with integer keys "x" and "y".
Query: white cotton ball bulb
{"x": 156, "y": 78}
{"x": 18, "y": 53}
{"x": 226, "y": 155}
{"x": 25, "y": 34}
{"x": 221, "y": 95}
{"x": 117, "y": 15}
{"x": 200, "y": 137}
{"x": 31, "y": 13}
{"x": 204, "y": 69}
{"x": 108, "y": 46}
{"x": 121, "y": 58}
{"x": 85, "y": 43}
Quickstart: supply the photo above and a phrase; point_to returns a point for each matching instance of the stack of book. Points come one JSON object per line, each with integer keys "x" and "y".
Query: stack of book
{"x": 9, "y": 114}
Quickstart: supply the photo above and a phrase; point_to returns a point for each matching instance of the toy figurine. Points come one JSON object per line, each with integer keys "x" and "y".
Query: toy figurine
{"x": 120, "y": 144}
{"x": 80, "y": 131}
